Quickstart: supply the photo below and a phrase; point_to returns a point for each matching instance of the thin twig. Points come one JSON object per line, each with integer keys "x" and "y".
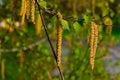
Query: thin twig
{"x": 69, "y": 17}
{"x": 45, "y": 28}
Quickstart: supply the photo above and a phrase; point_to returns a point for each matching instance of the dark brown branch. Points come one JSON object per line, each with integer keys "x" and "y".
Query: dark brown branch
{"x": 45, "y": 28}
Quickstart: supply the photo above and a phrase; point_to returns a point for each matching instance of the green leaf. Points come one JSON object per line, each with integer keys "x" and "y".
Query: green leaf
{"x": 7, "y": 38}
{"x": 105, "y": 12}
{"x": 87, "y": 19}
{"x": 43, "y": 4}
{"x": 112, "y": 1}
{"x": 65, "y": 24}
{"x": 76, "y": 26}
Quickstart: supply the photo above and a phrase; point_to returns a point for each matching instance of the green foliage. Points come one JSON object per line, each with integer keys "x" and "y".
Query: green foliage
{"x": 39, "y": 63}
{"x": 43, "y": 4}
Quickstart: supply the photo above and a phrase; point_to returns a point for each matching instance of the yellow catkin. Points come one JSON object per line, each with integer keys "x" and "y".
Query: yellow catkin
{"x": 28, "y": 3}
{"x": 3, "y": 69}
{"x": 23, "y": 12}
{"x": 28, "y": 10}
{"x": 33, "y": 11}
{"x": 93, "y": 43}
{"x": 38, "y": 25}
{"x": 59, "y": 38}
{"x": 23, "y": 7}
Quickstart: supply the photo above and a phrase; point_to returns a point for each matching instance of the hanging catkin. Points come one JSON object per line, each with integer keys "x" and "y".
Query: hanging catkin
{"x": 93, "y": 43}
{"x": 28, "y": 10}
{"x": 38, "y": 25}
{"x": 33, "y": 11}
{"x": 59, "y": 38}
{"x": 23, "y": 7}
{"x": 3, "y": 69}
{"x": 28, "y": 2}
{"x": 23, "y": 11}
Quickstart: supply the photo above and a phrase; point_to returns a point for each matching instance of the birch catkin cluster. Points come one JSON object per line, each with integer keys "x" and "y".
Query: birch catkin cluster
{"x": 28, "y": 10}
{"x": 59, "y": 38}
{"x": 93, "y": 42}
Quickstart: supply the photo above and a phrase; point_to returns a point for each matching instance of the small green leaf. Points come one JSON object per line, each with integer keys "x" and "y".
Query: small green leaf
{"x": 87, "y": 19}
{"x": 65, "y": 24}
{"x": 76, "y": 26}
{"x": 7, "y": 38}
{"x": 112, "y": 1}
{"x": 105, "y": 12}
{"x": 43, "y": 4}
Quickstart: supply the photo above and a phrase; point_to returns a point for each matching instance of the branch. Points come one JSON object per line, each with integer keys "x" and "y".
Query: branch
{"x": 24, "y": 48}
{"x": 70, "y": 17}
{"x": 45, "y": 28}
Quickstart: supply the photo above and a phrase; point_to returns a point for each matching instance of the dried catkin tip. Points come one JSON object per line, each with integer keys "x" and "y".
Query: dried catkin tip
{"x": 3, "y": 69}
{"x": 59, "y": 38}
{"x": 93, "y": 43}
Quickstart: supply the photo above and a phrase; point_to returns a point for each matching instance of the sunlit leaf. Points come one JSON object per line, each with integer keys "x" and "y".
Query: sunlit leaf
{"x": 43, "y": 4}
{"x": 87, "y": 19}
{"x": 65, "y": 24}
{"x": 76, "y": 26}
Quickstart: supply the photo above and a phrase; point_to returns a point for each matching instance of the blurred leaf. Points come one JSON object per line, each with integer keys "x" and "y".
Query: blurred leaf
{"x": 43, "y": 4}
{"x": 7, "y": 38}
{"x": 112, "y": 1}
{"x": 76, "y": 26}
{"x": 87, "y": 19}
{"x": 105, "y": 12}
{"x": 65, "y": 24}
{"x": 107, "y": 21}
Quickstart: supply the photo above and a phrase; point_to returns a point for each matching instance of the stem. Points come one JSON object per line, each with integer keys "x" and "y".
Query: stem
{"x": 45, "y": 28}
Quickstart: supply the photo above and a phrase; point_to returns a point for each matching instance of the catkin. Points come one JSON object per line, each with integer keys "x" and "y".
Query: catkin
{"x": 38, "y": 25}
{"x": 27, "y": 10}
{"x": 28, "y": 2}
{"x": 59, "y": 38}
{"x": 23, "y": 11}
{"x": 3, "y": 69}
{"x": 23, "y": 7}
{"x": 93, "y": 43}
{"x": 33, "y": 11}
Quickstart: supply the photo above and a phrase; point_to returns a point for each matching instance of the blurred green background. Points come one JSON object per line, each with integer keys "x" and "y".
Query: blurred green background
{"x": 25, "y": 55}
